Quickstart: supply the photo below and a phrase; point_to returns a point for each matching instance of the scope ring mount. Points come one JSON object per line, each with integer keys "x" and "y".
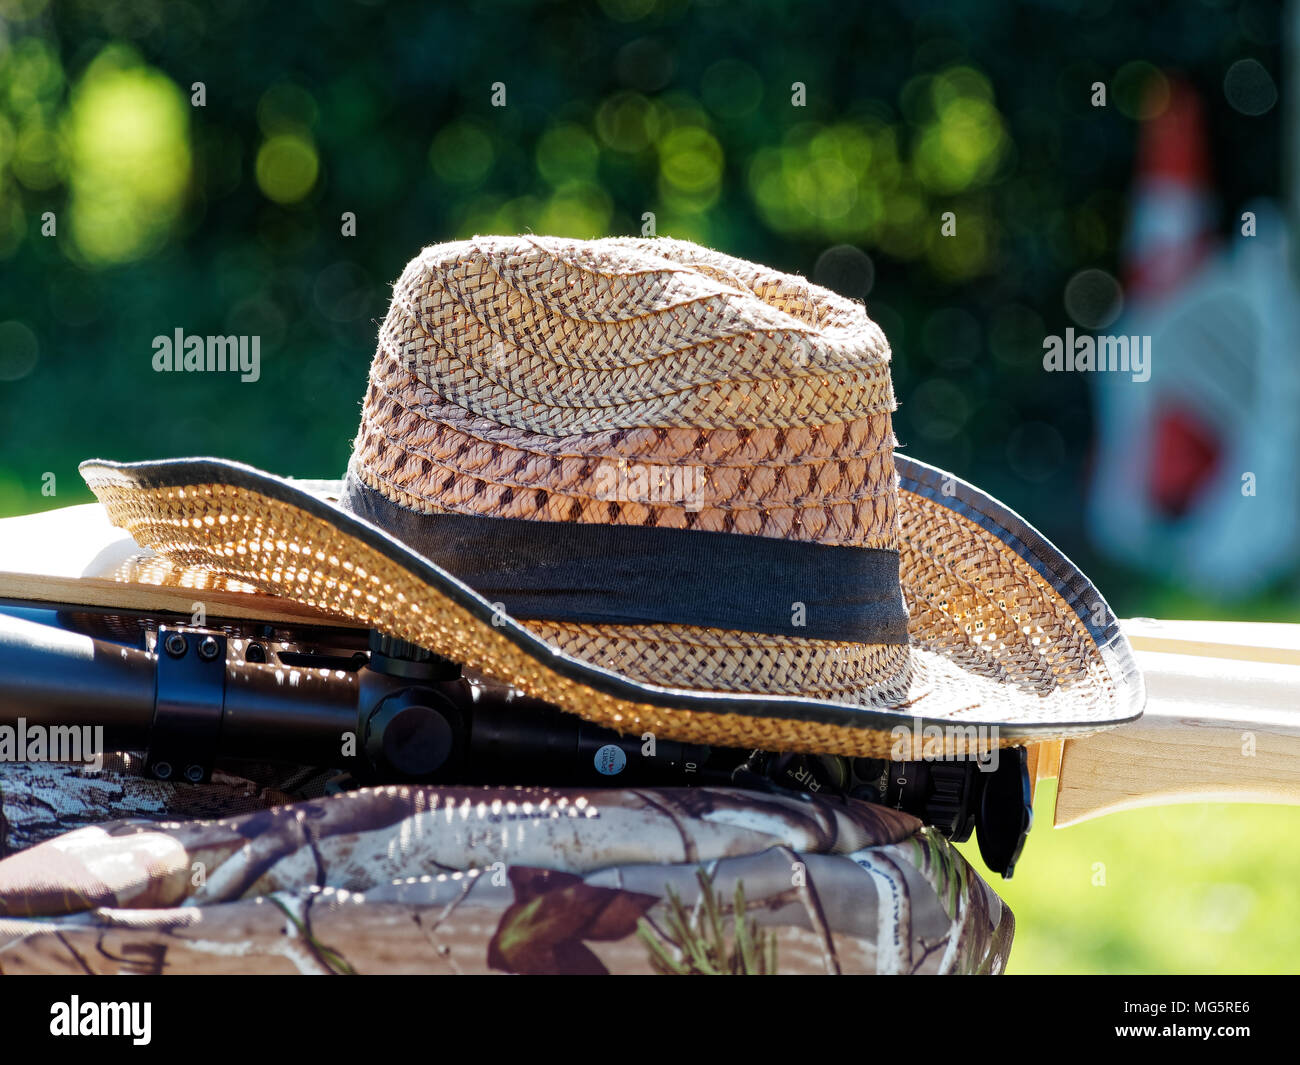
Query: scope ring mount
{"x": 189, "y": 704}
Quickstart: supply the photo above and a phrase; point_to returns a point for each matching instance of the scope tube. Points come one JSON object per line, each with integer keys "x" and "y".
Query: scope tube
{"x": 51, "y": 677}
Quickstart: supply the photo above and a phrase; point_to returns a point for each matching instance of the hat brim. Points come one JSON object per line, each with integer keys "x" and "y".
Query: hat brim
{"x": 292, "y": 540}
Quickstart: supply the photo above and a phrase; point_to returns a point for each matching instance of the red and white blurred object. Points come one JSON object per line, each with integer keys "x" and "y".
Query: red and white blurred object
{"x": 1178, "y": 456}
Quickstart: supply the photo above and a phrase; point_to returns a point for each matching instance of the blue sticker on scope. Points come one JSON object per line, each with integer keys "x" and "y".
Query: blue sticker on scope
{"x": 610, "y": 760}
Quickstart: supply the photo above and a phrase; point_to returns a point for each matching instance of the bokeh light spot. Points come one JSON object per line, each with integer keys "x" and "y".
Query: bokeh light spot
{"x": 1249, "y": 87}
{"x": 1035, "y": 451}
{"x": 37, "y": 161}
{"x": 461, "y": 153}
{"x": 286, "y": 108}
{"x": 847, "y": 270}
{"x": 627, "y": 122}
{"x": 129, "y": 157}
{"x": 939, "y": 409}
{"x": 951, "y": 338}
{"x": 580, "y": 209}
{"x": 18, "y": 351}
{"x": 287, "y": 166}
{"x": 644, "y": 64}
{"x": 1093, "y": 298}
{"x": 1140, "y": 90}
{"x": 690, "y": 168}
{"x": 567, "y": 153}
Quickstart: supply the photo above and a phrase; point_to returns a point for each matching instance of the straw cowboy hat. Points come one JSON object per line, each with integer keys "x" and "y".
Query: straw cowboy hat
{"x": 656, "y": 486}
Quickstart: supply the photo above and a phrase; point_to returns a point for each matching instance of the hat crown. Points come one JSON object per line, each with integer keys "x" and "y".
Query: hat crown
{"x": 641, "y": 382}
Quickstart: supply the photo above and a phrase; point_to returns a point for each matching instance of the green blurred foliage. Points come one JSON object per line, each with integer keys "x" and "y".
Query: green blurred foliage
{"x": 229, "y": 218}
{"x": 125, "y": 151}
{"x": 1198, "y": 888}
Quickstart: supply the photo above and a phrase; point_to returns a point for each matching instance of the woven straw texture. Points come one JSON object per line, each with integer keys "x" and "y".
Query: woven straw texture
{"x": 655, "y": 383}
{"x": 743, "y": 401}
{"x": 275, "y": 546}
{"x": 558, "y": 336}
{"x": 571, "y": 329}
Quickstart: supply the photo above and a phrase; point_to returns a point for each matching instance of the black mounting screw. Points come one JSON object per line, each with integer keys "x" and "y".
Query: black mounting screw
{"x": 255, "y": 653}
{"x": 162, "y": 770}
{"x": 194, "y": 773}
{"x": 176, "y": 645}
{"x": 208, "y": 649}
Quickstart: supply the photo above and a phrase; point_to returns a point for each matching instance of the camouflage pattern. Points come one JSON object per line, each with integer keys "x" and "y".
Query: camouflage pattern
{"x": 41, "y": 800}
{"x": 217, "y": 878}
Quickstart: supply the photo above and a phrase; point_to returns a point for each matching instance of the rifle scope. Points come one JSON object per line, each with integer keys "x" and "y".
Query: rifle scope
{"x": 383, "y": 710}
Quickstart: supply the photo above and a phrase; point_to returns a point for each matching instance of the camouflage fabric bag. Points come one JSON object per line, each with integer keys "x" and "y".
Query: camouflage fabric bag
{"x": 216, "y": 878}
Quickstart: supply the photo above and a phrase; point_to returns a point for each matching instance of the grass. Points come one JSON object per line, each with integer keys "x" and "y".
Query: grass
{"x": 1198, "y": 888}
{"x": 699, "y": 937}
